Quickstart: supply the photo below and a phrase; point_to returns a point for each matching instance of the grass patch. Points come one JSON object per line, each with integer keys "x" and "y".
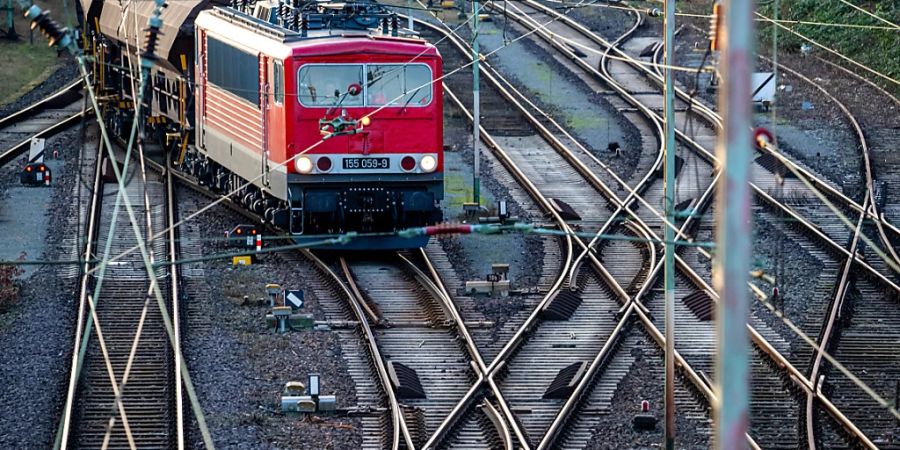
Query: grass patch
{"x": 457, "y": 190}
{"x": 585, "y": 122}
{"x": 875, "y": 48}
{"x": 24, "y": 67}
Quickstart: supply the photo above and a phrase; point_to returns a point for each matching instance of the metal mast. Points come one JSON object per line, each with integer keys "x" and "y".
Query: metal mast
{"x": 670, "y": 221}
{"x": 733, "y": 227}
{"x": 476, "y": 107}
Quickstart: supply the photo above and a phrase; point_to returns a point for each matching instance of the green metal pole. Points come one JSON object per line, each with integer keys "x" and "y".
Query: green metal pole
{"x": 734, "y": 228}
{"x": 476, "y": 107}
{"x": 669, "y": 233}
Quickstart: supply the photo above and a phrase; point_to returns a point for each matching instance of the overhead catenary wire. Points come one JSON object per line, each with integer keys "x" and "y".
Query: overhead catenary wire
{"x": 314, "y": 145}
{"x": 650, "y": 11}
{"x": 117, "y": 389}
{"x": 117, "y": 403}
{"x": 152, "y": 275}
{"x": 832, "y": 51}
{"x": 865, "y": 388}
{"x": 62, "y": 38}
{"x": 872, "y": 15}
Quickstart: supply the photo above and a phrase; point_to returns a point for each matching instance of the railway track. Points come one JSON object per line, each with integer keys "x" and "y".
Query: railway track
{"x": 384, "y": 423}
{"x": 531, "y": 325}
{"x": 844, "y": 420}
{"x": 127, "y": 352}
{"x": 777, "y": 356}
{"x": 593, "y": 290}
{"x": 430, "y": 370}
{"x": 42, "y": 119}
{"x": 867, "y": 350}
{"x": 637, "y": 77}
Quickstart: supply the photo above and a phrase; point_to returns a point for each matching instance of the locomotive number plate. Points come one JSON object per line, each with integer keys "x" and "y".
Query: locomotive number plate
{"x": 367, "y": 163}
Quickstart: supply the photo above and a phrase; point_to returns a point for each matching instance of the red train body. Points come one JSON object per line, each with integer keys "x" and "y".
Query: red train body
{"x": 266, "y": 94}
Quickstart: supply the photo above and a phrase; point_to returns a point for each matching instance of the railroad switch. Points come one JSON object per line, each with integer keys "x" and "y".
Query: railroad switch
{"x": 272, "y": 293}
{"x": 282, "y": 319}
{"x": 300, "y": 398}
{"x": 503, "y": 217}
{"x": 496, "y": 282}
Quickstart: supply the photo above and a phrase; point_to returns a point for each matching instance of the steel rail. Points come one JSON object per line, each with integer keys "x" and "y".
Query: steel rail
{"x": 495, "y": 418}
{"x": 866, "y": 153}
{"x": 435, "y": 286}
{"x": 595, "y": 262}
{"x": 16, "y": 150}
{"x": 506, "y": 411}
{"x": 757, "y": 338}
{"x": 836, "y": 304}
{"x": 842, "y": 287}
{"x": 62, "y": 95}
{"x": 531, "y": 321}
{"x": 174, "y": 280}
{"x": 82, "y": 306}
{"x": 355, "y": 299}
{"x": 712, "y": 117}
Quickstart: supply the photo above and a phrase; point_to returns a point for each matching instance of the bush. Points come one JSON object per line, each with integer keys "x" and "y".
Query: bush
{"x": 875, "y": 48}
{"x": 9, "y": 290}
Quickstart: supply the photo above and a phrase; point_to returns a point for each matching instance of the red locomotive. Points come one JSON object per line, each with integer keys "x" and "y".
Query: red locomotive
{"x": 317, "y": 114}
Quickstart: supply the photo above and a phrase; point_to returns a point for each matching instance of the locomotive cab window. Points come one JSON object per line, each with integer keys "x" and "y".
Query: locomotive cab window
{"x": 385, "y": 84}
{"x": 329, "y": 84}
{"x": 278, "y": 82}
{"x": 398, "y": 85}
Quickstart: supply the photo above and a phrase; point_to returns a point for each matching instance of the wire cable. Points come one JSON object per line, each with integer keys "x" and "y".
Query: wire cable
{"x": 62, "y": 38}
{"x": 874, "y": 16}
{"x": 832, "y": 51}
{"x": 318, "y": 143}
{"x": 650, "y": 12}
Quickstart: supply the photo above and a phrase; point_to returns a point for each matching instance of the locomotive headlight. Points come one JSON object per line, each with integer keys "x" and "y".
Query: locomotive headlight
{"x": 303, "y": 164}
{"x": 428, "y": 163}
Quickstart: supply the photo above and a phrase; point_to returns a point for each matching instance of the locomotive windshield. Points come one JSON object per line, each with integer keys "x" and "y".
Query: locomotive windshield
{"x": 326, "y": 84}
{"x": 398, "y": 84}
{"x": 385, "y": 84}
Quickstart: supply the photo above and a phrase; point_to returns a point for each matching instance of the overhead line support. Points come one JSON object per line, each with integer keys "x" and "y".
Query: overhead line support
{"x": 734, "y": 228}
{"x": 669, "y": 255}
